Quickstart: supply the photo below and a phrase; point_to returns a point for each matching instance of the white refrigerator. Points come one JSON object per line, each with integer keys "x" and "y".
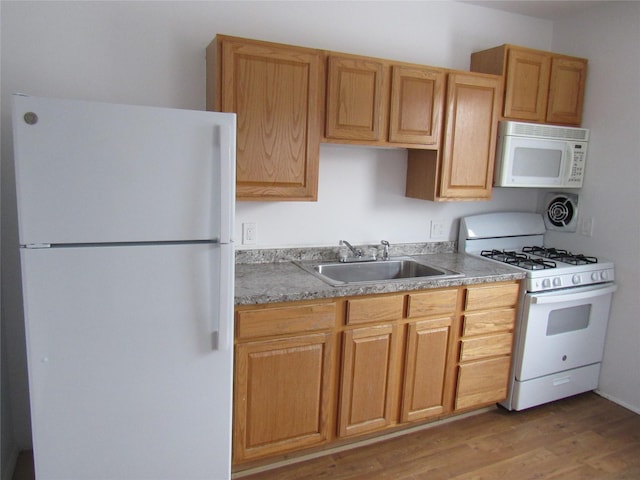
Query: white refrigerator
{"x": 125, "y": 222}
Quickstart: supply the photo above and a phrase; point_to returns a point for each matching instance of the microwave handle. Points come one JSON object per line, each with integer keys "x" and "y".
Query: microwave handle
{"x": 568, "y": 297}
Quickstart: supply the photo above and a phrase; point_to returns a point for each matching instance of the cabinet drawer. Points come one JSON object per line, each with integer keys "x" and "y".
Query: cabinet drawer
{"x": 487, "y": 346}
{"x": 483, "y": 382}
{"x": 438, "y": 302}
{"x": 491, "y": 321}
{"x": 284, "y": 320}
{"x": 379, "y": 309}
{"x": 493, "y": 296}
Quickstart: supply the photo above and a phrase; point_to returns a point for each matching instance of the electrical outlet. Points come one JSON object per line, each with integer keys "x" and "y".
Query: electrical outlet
{"x": 586, "y": 227}
{"x": 249, "y": 233}
{"x": 437, "y": 231}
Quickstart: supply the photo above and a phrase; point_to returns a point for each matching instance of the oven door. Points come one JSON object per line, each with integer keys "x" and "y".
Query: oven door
{"x": 562, "y": 329}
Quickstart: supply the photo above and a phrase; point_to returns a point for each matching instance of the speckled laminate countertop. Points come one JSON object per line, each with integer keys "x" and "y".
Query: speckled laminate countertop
{"x": 261, "y": 283}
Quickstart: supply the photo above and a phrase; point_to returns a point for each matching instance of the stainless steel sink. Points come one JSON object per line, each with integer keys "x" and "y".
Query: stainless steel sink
{"x": 394, "y": 269}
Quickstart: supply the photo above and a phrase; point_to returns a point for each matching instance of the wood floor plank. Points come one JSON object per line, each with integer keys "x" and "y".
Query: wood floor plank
{"x": 582, "y": 437}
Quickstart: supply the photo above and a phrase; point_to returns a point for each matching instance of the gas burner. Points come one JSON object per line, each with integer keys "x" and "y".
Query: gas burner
{"x": 560, "y": 255}
{"x": 516, "y": 259}
{"x": 535, "y": 264}
{"x": 552, "y": 253}
{"x": 578, "y": 259}
{"x": 504, "y": 255}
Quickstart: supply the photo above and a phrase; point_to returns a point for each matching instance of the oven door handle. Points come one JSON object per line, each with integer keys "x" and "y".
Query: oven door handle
{"x": 568, "y": 297}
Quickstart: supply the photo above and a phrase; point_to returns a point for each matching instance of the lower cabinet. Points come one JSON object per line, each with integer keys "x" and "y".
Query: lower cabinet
{"x": 486, "y": 344}
{"x": 310, "y": 373}
{"x": 425, "y": 392}
{"x": 283, "y": 387}
{"x": 369, "y": 365}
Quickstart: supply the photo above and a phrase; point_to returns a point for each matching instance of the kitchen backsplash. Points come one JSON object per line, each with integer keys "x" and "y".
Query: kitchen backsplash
{"x": 275, "y": 255}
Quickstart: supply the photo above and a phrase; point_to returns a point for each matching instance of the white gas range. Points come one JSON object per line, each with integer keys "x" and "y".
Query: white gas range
{"x": 563, "y": 311}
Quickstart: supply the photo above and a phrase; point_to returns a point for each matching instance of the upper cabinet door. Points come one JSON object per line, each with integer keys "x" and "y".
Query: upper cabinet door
{"x": 473, "y": 105}
{"x": 276, "y": 91}
{"x": 527, "y": 83}
{"x": 417, "y": 96}
{"x": 355, "y": 98}
{"x": 566, "y": 90}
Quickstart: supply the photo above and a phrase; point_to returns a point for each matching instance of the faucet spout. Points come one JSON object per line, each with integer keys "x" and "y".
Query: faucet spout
{"x": 385, "y": 250}
{"x": 356, "y": 252}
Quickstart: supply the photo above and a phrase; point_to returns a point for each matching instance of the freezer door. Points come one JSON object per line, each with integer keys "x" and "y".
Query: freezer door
{"x": 95, "y": 172}
{"x": 123, "y": 379}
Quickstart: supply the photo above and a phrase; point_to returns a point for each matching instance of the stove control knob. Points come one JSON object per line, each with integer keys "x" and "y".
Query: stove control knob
{"x": 604, "y": 275}
{"x": 557, "y": 282}
{"x": 595, "y": 277}
{"x": 576, "y": 279}
{"x": 546, "y": 283}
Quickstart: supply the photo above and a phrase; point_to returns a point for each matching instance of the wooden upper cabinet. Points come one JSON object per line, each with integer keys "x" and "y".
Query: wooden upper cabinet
{"x": 526, "y": 85}
{"x": 462, "y": 169}
{"x": 539, "y": 86}
{"x": 416, "y": 105}
{"x": 566, "y": 90}
{"x": 378, "y": 102}
{"x": 355, "y": 103}
{"x": 276, "y": 91}
{"x": 473, "y": 104}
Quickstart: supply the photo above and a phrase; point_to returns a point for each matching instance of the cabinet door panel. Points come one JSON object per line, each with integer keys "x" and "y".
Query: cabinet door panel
{"x": 437, "y": 302}
{"x": 276, "y": 91}
{"x": 355, "y": 98}
{"x": 527, "y": 83}
{"x": 369, "y": 362}
{"x": 485, "y": 346}
{"x": 282, "y": 395}
{"x": 424, "y": 393}
{"x": 489, "y": 322}
{"x": 473, "y": 103}
{"x": 482, "y": 382}
{"x": 492, "y": 296}
{"x": 417, "y": 96}
{"x": 379, "y": 309}
{"x": 566, "y": 90}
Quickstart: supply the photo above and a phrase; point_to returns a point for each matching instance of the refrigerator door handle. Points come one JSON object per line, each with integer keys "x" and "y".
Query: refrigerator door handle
{"x": 223, "y": 319}
{"x": 227, "y": 180}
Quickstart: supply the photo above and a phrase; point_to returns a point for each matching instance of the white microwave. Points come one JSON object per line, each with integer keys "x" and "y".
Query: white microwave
{"x": 540, "y": 156}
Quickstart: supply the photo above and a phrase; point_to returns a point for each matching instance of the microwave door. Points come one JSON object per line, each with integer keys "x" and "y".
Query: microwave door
{"x": 532, "y": 163}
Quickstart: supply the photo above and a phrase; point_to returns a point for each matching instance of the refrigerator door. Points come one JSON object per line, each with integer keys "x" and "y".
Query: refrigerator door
{"x": 90, "y": 172}
{"x": 123, "y": 379}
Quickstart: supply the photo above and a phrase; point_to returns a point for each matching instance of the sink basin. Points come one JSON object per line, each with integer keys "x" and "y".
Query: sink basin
{"x": 394, "y": 269}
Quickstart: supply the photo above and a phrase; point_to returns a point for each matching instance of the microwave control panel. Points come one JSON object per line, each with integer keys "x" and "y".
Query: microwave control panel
{"x": 576, "y": 173}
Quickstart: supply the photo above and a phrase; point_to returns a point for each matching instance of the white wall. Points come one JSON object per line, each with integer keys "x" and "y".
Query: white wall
{"x": 153, "y": 53}
{"x": 609, "y": 37}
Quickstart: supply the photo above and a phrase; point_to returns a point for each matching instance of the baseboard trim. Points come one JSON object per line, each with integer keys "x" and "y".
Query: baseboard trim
{"x": 618, "y": 401}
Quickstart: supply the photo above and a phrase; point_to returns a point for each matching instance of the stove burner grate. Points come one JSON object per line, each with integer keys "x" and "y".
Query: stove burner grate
{"x": 560, "y": 255}
{"x": 518, "y": 259}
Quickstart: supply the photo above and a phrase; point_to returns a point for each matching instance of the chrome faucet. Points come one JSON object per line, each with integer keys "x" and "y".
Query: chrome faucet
{"x": 385, "y": 250}
{"x": 357, "y": 252}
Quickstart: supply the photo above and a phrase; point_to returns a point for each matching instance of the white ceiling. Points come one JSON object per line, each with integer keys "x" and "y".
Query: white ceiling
{"x": 546, "y": 9}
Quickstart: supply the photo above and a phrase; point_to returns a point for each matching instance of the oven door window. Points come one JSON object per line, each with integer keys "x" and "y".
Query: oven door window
{"x": 570, "y": 319}
{"x": 561, "y": 330}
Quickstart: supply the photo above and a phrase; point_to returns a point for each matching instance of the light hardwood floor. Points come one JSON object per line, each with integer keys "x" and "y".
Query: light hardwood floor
{"x": 583, "y": 437}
